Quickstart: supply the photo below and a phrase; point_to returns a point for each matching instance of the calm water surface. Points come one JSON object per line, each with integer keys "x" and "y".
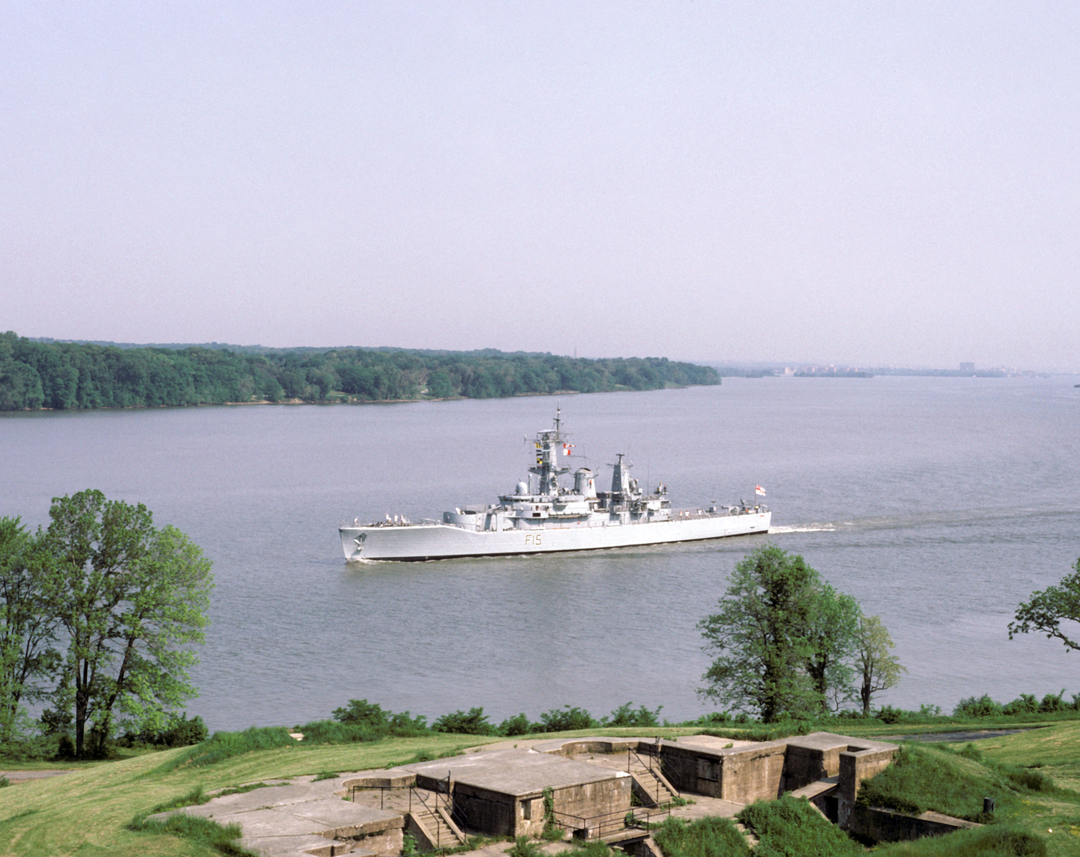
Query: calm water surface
{"x": 939, "y": 504}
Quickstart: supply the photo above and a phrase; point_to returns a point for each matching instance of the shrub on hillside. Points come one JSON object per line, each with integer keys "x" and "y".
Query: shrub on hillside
{"x": 627, "y": 715}
{"x": 982, "y": 706}
{"x": 1023, "y": 704}
{"x": 566, "y": 718}
{"x": 517, "y": 725}
{"x": 471, "y": 722}
{"x": 890, "y": 715}
{"x": 180, "y": 732}
{"x": 376, "y": 721}
{"x": 1051, "y": 703}
{"x": 362, "y": 712}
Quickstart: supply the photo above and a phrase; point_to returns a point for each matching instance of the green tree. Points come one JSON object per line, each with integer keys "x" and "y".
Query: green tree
{"x": 1047, "y": 609}
{"x": 833, "y": 634}
{"x": 131, "y": 599}
{"x": 877, "y": 668}
{"x": 27, "y": 628}
{"x": 783, "y": 639}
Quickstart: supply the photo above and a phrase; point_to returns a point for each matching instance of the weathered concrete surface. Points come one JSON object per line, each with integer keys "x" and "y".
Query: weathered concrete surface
{"x": 501, "y": 792}
{"x": 290, "y": 820}
{"x": 743, "y": 774}
{"x": 512, "y": 772}
{"x": 858, "y": 764}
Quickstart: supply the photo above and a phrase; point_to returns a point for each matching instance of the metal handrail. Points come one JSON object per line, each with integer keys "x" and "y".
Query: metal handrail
{"x": 433, "y": 812}
{"x": 655, "y": 754}
{"x": 354, "y": 790}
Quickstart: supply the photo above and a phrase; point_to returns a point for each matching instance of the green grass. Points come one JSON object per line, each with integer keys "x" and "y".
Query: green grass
{"x": 793, "y": 828}
{"x": 984, "y": 842}
{"x": 1031, "y": 776}
{"x": 89, "y": 811}
{"x": 706, "y": 837}
{"x": 197, "y": 832}
{"x": 938, "y": 779}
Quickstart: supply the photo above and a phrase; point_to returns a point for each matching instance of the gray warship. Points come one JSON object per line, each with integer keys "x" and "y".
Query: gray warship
{"x": 542, "y": 516}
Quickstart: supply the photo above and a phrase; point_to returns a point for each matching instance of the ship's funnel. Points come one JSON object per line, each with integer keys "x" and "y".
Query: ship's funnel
{"x": 584, "y": 483}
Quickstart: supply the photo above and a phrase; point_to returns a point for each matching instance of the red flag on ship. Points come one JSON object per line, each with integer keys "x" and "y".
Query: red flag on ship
{"x": 759, "y": 490}
{"x": 566, "y": 447}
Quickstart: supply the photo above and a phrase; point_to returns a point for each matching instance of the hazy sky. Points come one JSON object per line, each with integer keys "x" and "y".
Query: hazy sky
{"x": 865, "y": 183}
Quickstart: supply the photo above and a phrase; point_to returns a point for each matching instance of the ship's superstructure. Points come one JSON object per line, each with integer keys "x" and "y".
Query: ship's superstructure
{"x": 542, "y": 516}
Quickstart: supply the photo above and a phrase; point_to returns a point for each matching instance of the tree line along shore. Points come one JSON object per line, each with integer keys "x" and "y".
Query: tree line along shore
{"x": 38, "y": 375}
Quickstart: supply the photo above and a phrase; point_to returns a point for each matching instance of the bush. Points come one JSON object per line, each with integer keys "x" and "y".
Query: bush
{"x": 983, "y": 706}
{"x": 404, "y": 725}
{"x": 65, "y": 749}
{"x": 179, "y": 733}
{"x": 1024, "y": 704}
{"x": 362, "y": 712}
{"x": 184, "y": 732}
{"x": 626, "y": 715}
{"x": 516, "y": 725}
{"x": 888, "y": 714}
{"x": 1051, "y": 703}
{"x": 472, "y": 722}
{"x": 375, "y": 722}
{"x": 565, "y": 719}
{"x": 33, "y": 748}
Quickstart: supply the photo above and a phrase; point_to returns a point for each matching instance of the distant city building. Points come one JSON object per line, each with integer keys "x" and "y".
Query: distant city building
{"x": 967, "y": 367}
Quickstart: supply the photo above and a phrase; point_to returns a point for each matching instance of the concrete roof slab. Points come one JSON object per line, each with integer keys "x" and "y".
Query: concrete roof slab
{"x": 514, "y": 772}
{"x": 336, "y": 814}
{"x": 831, "y": 741}
{"x": 717, "y": 746}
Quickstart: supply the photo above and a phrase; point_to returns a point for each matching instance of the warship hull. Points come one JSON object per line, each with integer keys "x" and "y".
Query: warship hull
{"x": 419, "y": 542}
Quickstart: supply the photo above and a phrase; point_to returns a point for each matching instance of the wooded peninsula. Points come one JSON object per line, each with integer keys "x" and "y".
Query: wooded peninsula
{"x": 38, "y": 375}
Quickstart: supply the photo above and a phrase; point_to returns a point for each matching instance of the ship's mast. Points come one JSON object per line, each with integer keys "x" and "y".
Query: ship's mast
{"x": 550, "y": 444}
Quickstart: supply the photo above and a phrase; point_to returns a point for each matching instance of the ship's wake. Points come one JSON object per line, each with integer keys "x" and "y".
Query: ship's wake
{"x": 805, "y": 528}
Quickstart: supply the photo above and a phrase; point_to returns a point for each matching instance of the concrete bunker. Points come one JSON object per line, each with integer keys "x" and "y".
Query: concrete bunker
{"x": 826, "y": 768}
{"x": 516, "y": 792}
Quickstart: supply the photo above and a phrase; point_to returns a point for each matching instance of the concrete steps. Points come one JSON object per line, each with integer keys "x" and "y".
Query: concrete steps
{"x": 440, "y": 831}
{"x": 433, "y": 828}
{"x": 651, "y": 786}
{"x": 747, "y": 835}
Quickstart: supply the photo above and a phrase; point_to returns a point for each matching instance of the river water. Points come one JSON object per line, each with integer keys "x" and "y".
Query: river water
{"x": 939, "y": 504}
